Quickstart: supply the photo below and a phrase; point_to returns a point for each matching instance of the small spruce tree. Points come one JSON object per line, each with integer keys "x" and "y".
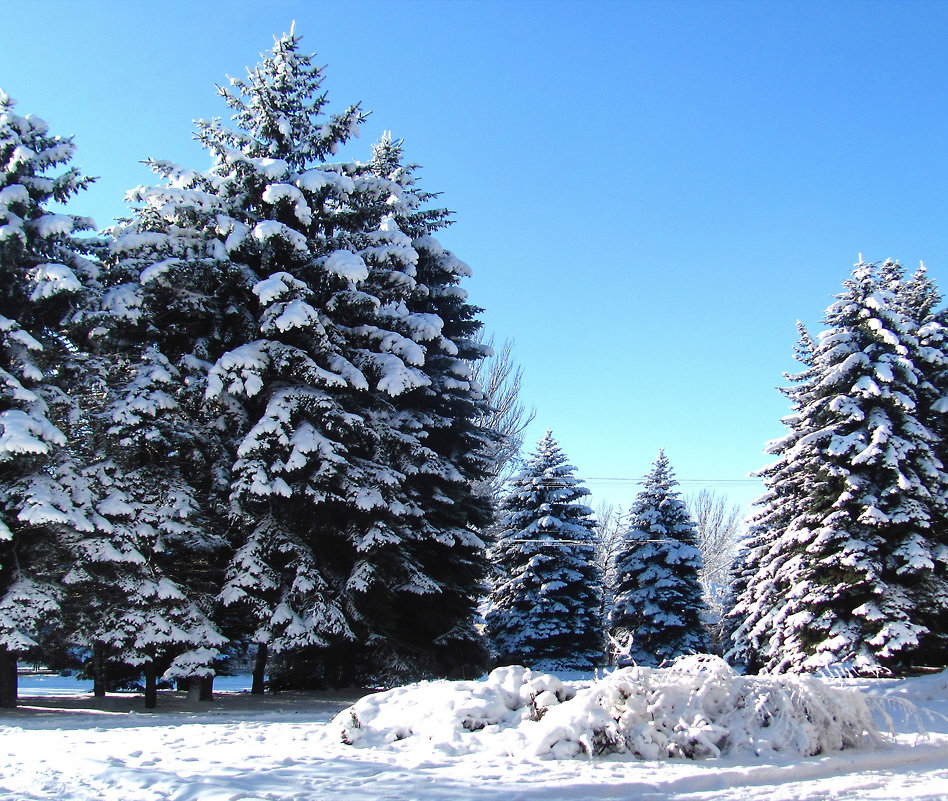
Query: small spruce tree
{"x": 544, "y": 605}
{"x": 657, "y": 608}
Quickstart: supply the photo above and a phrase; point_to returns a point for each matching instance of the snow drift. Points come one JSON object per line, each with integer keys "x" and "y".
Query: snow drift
{"x": 696, "y": 708}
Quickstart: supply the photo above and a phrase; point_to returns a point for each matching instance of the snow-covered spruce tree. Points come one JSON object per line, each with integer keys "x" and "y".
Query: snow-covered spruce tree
{"x": 438, "y": 443}
{"x": 919, "y": 299}
{"x": 124, "y": 607}
{"x": 280, "y": 206}
{"x": 42, "y": 270}
{"x": 174, "y": 303}
{"x": 63, "y": 507}
{"x": 851, "y": 570}
{"x": 139, "y": 585}
{"x": 328, "y": 547}
{"x": 544, "y": 604}
{"x": 764, "y": 564}
{"x": 127, "y": 424}
{"x": 657, "y": 606}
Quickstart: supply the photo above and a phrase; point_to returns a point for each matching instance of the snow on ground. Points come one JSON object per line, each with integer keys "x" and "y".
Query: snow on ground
{"x": 239, "y": 748}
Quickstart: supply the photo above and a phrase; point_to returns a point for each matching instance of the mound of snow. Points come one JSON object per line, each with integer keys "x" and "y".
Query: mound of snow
{"x": 698, "y": 707}
{"x": 933, "y": 687}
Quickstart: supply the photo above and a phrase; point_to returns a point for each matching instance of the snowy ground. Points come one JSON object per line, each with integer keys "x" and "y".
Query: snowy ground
{"x": 62, "y": 744}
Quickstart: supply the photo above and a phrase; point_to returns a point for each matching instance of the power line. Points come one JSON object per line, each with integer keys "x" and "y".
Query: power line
{"x": 641, "y": 480}
{"x": 553, "y": 482}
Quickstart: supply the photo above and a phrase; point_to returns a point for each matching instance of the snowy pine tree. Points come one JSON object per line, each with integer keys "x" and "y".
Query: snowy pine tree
{"x": 125, "y": 608}
{"x": 657, "y": 607}
{"x": 852, "y": 570}
{"x": 142, "y": 584}
{"x": 42, "y": 271}
{"x": 544, "y": 603}
{"x": 173, "y": 303}
{"x": 333, "y": 543}
{"x": 760, "y": 574}
{"x": 918, "y": 298}
{"x": 439, "y": 444}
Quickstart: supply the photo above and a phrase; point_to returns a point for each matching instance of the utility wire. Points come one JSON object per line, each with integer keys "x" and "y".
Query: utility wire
{"x": 641, "y": 480}
{"x": 553, "y": 482}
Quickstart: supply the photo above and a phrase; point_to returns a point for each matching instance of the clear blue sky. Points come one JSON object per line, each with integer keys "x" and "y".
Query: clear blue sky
{"x": 650, "y": 193}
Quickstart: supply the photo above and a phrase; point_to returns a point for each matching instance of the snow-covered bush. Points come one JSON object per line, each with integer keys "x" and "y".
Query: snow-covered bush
{"x": 696, "y": 708}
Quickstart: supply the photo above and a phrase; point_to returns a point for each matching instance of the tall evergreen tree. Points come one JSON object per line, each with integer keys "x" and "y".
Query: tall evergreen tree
{"x": 919, "y": 300}
{"x": 440, "y": 444}
{"x": 853, "y": 570}
{"x": 544, "y": 601}
{"x": 765, "y": 568}
{"x": 918, "y": 297}
{"x": 42, "y": 271}
{"x": 339, "y": 343}
{"x": 657, "y": 607}
{"x": 173, "y": 303}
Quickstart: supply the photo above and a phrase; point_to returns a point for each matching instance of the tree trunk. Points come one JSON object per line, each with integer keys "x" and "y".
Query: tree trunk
{"x": 346, "y": 668}
{"x": 194, "y": 689}
{"x": 98, "y": 670}
{"x": 259, "y": 669}
{"x": 331, "y": 669}
{"x": 207, "y": 689}
{"x": 151, "y": 685}
{"x": 8, "y": 679}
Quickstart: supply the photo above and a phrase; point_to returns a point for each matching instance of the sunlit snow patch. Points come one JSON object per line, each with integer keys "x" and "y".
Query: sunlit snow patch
{"x": 699, "y": 707}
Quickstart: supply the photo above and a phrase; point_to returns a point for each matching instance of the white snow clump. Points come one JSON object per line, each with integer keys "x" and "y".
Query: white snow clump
{"x": 696, "y": 708}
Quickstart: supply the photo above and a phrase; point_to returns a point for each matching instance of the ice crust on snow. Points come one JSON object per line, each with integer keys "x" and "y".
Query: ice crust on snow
{"x": 696, "y": 708}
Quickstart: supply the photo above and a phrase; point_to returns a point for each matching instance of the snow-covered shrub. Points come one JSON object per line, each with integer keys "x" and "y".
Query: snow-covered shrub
{"x": 443, "y": 713}
{"x": 696, "y": 708}
{"x": 699, "y": 707}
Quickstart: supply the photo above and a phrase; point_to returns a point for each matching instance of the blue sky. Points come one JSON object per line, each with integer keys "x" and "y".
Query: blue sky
{"x": 650, "y": 193}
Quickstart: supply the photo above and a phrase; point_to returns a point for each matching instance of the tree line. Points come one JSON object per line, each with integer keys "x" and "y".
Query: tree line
{"x": 255, "y": 420}
{"x": 246, "y": 414}
{"x": 845, "y": 563}
{"x": 571, "y": 592}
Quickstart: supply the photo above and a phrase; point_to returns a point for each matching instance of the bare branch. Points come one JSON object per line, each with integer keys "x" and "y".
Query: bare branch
{"x": 720, "y": 528}
{"x": 501, "y": 378}
{"x": 610, "y": 526}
